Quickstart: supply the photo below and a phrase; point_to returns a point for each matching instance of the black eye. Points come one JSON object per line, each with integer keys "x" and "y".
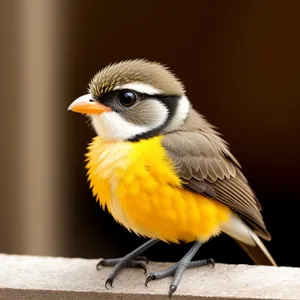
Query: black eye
{"x": 127, "y": 98}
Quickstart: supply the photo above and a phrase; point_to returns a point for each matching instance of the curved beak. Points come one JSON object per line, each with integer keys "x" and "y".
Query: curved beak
{"x": 86, "y": 105}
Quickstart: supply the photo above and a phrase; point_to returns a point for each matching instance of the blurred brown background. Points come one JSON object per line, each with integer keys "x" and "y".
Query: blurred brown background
{"x": 241, "y": 66}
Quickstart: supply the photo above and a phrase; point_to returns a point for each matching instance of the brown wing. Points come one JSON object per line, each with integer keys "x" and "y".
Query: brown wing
{"x": 208, "y": 168}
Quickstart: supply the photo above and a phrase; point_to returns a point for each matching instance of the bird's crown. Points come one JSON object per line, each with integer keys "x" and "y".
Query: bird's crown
{"x": 138, "y": 71}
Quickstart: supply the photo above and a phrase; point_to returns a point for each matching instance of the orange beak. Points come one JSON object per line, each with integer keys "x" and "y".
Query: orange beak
{"x": 86, "y": 105}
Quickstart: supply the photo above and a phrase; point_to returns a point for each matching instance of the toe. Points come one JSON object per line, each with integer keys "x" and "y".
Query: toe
{"x": 100, "y": 264}
{"x": 138, "y": 264}
{"x": 143, "y": 258}
{"x": 172, "y": 289}
{"x": 149, "y": 278}
{"x": 211, "y": 262}
{"x": 109, "y": 283}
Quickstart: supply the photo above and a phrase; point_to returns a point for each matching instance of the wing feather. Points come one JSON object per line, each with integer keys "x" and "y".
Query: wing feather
{"x": 208, "y": 168}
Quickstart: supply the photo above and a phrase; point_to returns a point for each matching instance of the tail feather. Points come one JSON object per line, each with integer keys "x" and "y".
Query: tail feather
{"x": 248, "y": 241}
{"x": 259, "y": 253}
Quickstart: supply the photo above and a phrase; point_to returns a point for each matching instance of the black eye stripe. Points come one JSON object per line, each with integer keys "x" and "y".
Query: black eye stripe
{"x": 158, "y": 97}
{"x": 141, "y": 96}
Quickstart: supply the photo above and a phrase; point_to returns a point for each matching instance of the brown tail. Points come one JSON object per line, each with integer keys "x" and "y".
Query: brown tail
{"x": 259, "y": 253}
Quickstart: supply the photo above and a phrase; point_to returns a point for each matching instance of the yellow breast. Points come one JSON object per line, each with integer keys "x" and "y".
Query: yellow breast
{"x": 140, "y": 188}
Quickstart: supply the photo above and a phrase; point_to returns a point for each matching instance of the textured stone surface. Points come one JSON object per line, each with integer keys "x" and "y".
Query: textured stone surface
{"x": 29, "y": 277}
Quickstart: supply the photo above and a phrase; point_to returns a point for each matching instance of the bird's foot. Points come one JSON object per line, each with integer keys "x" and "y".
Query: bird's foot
{"x": 177, "y": 271}
{"x": 138, "y": 262}
{"x": 131, "y": 260}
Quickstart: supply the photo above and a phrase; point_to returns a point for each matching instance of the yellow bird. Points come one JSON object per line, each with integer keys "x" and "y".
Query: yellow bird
{"x": 162, "y": 170}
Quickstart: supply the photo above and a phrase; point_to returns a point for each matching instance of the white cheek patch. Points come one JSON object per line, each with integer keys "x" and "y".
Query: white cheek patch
{"x": 112, "y": 126}
{"x": 140, "y": 87}
{"x": 181, "y": 113}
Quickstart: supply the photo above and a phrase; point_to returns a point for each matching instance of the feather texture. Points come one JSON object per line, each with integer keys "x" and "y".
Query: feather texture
{"x": 140, "y": 188}
{"x": 206, "y": 166}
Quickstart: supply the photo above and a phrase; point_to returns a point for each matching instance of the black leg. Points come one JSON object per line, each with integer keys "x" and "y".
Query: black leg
{"x": 177, "y": 269}
{"x": 131, "y": 260}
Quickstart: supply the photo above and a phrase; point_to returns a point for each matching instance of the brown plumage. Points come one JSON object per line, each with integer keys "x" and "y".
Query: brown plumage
{"x": 139, "y": 70}
{"x": 205, "y": 163}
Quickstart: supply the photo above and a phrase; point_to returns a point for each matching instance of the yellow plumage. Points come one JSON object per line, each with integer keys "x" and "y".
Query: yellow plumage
{"x": 140, "y": 188}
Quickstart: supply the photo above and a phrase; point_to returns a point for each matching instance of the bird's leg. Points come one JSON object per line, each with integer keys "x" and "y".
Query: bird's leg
{"x": 177, "y": 269}
{"x": 131, "y": 260}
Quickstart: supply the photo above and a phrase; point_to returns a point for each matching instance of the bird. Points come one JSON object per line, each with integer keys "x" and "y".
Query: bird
{"x": 163, "y": 171}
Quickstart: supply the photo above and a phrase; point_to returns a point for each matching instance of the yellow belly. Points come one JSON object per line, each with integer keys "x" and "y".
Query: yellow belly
{"x": 140, "y": 188}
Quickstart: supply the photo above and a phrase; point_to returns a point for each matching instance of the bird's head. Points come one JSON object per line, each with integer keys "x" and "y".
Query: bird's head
{"x": 133, "y": 100}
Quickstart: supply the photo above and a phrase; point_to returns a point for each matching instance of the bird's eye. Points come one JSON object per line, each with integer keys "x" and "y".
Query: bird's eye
{"x": 127, "y": 98}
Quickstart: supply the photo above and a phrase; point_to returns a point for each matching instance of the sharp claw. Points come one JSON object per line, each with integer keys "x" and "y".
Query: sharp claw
{"x": 109, "y": 281}
{"x": 149, "y": 278}
{"x": 142, "y": 266}
{"x": 99, "y": 264}
{"x": 211, "y": 262}
{"x": 172, "y": 289}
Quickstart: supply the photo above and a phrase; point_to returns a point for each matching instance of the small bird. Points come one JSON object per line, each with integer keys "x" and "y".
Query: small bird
{"x": 162, "y": 170}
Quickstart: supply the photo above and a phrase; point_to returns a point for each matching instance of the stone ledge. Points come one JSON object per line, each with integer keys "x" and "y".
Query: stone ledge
{"x": 31, "y": 277}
